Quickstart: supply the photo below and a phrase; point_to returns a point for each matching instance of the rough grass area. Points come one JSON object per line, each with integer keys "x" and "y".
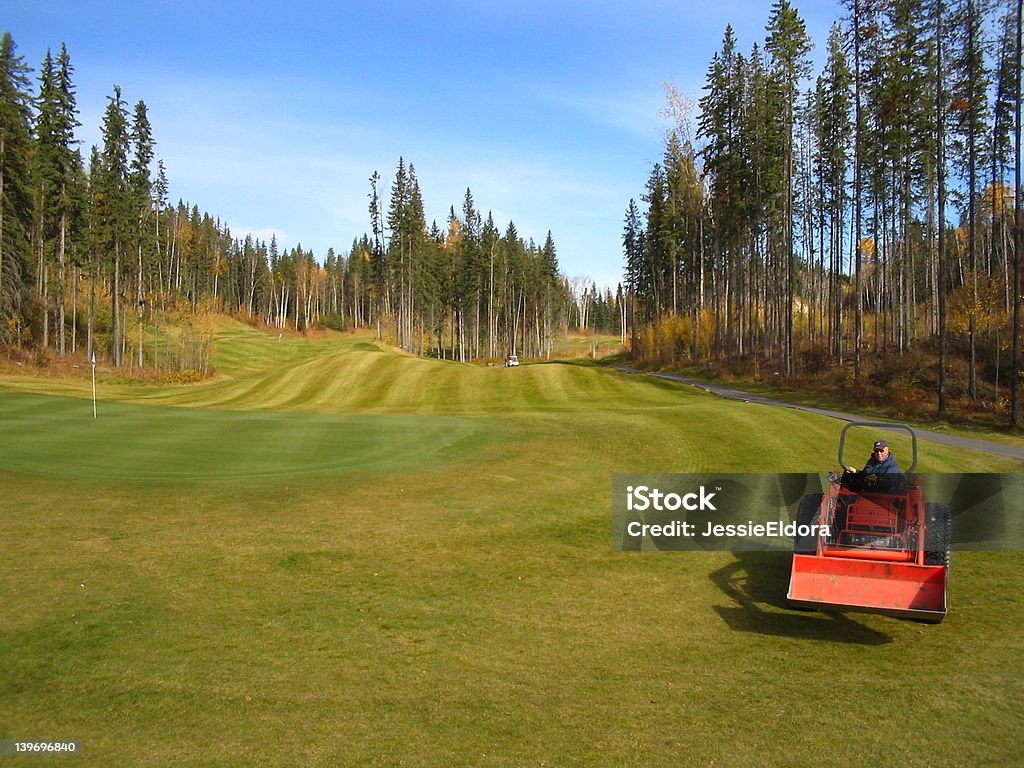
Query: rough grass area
{"x": 893, "y": 387}
{"x": 339, "y": 555}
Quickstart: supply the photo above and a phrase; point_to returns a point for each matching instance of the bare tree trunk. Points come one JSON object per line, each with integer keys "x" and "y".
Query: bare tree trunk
{"x": 45, "y": 279}
{"x": 139, "y": 306}
{"x": 115, "y": 306}
{"x": 972, "y": 161}
{"x": 74, "y": 310}
{"x": 3, "y": 330}
{"x": 941, "y": 171}
{"x": 1018, "y": 234}
{"x": 90, "y": 346}
{"x": 60, "y": 304}
{"x": 857, "y": 159}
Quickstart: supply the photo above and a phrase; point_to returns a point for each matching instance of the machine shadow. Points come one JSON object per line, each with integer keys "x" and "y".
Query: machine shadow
{"x": 757, "y": 579}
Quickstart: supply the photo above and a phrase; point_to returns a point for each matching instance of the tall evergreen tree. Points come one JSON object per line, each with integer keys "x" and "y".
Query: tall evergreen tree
{"x": 970, "y": 102}
{"x": 15, "y": 196}
{"x": 1018, "y": 218}
{"x": 834, "y": 126}
{"x": 939, "y": 125}
{"x": 635, "y": 274}
{"x": 69, "y": 187}
{"x": 789, "y": 45}
{"x": 116, "y": 212}
{"x": 141, "y": 193}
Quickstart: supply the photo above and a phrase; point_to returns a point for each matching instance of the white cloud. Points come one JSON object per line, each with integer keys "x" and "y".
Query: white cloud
{"x": 634, "y": 110}
{"x": 302, "y": 173}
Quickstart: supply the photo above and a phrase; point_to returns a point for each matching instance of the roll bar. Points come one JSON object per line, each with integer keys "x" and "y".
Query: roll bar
{"x": 878, "y": 425}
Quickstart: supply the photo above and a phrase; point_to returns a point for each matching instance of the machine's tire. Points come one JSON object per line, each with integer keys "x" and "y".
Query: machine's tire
{"x": 938, "y": 538}
{"x": 805, "y": 515}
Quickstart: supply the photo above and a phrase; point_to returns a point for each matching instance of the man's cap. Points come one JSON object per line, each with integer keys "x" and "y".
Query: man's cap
{"x": 880, "y": 444}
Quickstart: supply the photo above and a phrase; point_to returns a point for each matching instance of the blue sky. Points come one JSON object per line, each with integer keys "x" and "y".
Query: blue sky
{"x": 273, "y": 115}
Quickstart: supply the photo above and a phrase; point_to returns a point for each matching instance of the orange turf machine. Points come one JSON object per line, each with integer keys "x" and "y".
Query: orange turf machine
{"x": 879, "y": 546}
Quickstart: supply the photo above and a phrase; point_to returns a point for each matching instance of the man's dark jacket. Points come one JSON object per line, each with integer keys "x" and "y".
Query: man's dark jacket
{"x": 881, "y": 467}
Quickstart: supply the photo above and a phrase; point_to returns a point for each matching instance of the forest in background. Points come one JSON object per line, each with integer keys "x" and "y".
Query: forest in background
{"x": 94, "y": 259}
{"x": 856, "y": 225}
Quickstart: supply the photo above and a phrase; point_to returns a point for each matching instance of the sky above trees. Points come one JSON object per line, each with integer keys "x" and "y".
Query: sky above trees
{"x": 275, "y": 115}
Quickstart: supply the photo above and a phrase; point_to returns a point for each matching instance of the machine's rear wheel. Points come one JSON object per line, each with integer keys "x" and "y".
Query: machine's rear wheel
{"x": 938, "y": 538}
{"x": 806, "y": 514}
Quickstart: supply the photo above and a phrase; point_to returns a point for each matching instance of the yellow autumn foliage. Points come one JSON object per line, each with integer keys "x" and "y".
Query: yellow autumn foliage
{"x": 986, "y": 304}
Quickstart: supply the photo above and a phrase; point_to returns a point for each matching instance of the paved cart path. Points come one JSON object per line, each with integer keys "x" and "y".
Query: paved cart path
{"x": 970, "y": 443}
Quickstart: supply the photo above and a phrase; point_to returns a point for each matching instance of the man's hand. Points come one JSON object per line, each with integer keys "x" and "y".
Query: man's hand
{"x": 851, "y": 469}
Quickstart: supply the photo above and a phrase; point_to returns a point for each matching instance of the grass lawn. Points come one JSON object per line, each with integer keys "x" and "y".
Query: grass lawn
{"x": 333, "y": 554}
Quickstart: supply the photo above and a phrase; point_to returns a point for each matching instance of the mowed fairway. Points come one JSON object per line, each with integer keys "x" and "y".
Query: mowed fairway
{"x": 334, "y": 554}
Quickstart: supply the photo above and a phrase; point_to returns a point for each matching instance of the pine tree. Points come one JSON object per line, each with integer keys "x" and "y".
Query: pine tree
{"x": 635, "y": 274}
{"x": 15, "y": 199}
{"x": 467, "y": 281}
{"x": 761, "y": 139}
{"x": 140, "y": 191}
{"x": 114, "y": 203}
{"x": 789, "y": 46}
{"x": 46, "y": 186}
{"x": 906, "y": 111}
{"x": 864, "y": 29}
{"x": 398, "y": 252}
{"x": 722, "y": 127}
{"x": 971, "y": 103}
{"x": 69, "y": 166}
{"x": 1018, "y": 220}
{"x": 939, "y": 126}
{"x": 834, "y": 125}
{"x": 419, "y": 288}
{"x": 160, "y": 188}
{"x": 378, "y": 257}
{"x": 548, "y": 277}
{"x": 490, "y": 240}
{"x": 655, "y": 255}
{"x": 1000, "y": 150}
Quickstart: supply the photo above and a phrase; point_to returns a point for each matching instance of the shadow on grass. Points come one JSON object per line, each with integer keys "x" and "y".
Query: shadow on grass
{"x": 758, "y": 579}
{"x": 579, "y": 362}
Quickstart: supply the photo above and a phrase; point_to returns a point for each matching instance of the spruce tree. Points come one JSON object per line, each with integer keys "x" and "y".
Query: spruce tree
{"x": 115, "y": 210}
{"x": 70, "y": 169}
{"x": 970, "y": 102}
{"x": 939, "y": 126}
{"x": 834, "y": 125}
{"x": 789, "y": 46}
{"x": 636, "y": 285}
{"x": 141, "y": 194}
{"x": 1018, "y": 218}
{"x": 15, "y": 196}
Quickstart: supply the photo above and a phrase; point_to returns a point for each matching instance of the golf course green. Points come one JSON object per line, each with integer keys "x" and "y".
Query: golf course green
{"x": 333, "y": 553}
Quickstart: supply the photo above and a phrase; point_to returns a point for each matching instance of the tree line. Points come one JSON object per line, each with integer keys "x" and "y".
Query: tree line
{"x": 466, "y": 291}
{"x": 812, "y": 221}
{"x": 94, "y": 258}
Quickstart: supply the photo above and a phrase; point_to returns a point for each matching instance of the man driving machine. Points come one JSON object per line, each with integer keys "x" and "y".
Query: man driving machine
{"x": 880, "y": 462}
